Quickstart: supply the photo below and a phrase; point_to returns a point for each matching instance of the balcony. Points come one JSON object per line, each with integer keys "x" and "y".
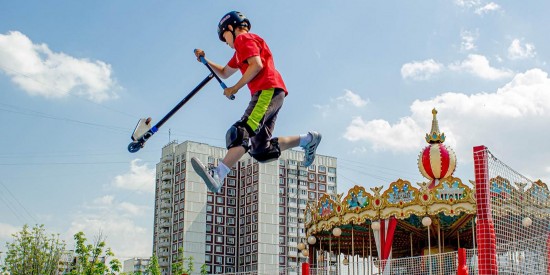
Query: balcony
{"x": 164, "y": 244}
{"x": 164, "y": 223}
{"x": 292, "y": 254}
{"x": 166, "y": 186}
{"x": 167, "y": 168}
{"x": 166, "y": 177}
{"x": 165, "y": 205}
{"x": 166, "y": 196}
{"x": 168, "y": 159}
{"x": 165, "y": 215}
{"x": 164, "y": 254}
{"x": 164, "y": 234}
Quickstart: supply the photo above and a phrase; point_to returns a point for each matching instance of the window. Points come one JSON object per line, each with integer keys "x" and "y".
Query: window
{"x": 322, "y": 187}
{"x": 332, "y": 170}
{"x": 219, "y": 239}
{"x": 312, "y": 185}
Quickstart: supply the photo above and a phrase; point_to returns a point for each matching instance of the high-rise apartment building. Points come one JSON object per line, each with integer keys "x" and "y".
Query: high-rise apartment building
{"x": 254, "y": 224}
{"x": 135, "y": 265}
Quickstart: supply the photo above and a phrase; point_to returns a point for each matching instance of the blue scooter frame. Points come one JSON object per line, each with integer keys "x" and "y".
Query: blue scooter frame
{"x": 139, "y": 142}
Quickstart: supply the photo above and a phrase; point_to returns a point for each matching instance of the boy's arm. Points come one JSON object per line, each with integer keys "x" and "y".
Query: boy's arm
{"x": 222, "y": 71}
{"x": 255, "y": 65}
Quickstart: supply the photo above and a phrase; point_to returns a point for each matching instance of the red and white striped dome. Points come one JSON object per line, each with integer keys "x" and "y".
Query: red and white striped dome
{"x": 437, "y": 161}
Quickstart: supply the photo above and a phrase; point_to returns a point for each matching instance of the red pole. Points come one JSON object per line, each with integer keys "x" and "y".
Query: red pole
{"x": 305, "y": 268}
{"x": 462, "y": 268}
{"x": 485, "y": 230}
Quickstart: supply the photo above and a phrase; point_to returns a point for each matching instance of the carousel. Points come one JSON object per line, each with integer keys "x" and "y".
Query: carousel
{"x": 396, "y": 227}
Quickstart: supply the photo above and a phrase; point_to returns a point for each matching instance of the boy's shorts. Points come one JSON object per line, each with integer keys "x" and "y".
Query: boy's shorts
{"x": 260, "y": 116}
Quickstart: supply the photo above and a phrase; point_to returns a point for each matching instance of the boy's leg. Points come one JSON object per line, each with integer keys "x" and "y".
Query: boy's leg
{"x": 214, "y": 176}
{"x": 208, "y": 174}
{"x": 309, "y": 142}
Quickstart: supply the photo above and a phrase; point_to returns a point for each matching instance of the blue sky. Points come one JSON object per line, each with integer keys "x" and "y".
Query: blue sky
{"x": 76, "y": 76}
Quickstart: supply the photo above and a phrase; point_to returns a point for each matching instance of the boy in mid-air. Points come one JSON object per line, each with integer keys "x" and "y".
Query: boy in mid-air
{"x": 253, "y": 132}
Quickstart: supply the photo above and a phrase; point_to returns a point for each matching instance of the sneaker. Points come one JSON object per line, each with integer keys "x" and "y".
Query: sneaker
{"x": 209, "y": 175}
{"x": 309, "y": 149}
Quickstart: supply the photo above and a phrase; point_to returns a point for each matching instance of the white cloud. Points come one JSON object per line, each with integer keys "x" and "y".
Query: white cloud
{"x": 385, "y": 136}
{"x": 342, "y": 102}
{"x": 519, "y": 51}
{"x": 509, "y": 116}
{"x": 115, "y": 221}
{"x": 467, "y": 3}
{"x": 487, "y": 8}
{"x": 479, "y": 66}
{"x": 140, "y": 178}
{"x": 468, "y": 40}
{"x": 40, "y": 71}
{"x": 353, "y": 99}
{"x": 421, "y": 70}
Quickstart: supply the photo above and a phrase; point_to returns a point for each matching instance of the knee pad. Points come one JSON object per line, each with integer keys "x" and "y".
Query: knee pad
{"x": 236, "y": 136}
{"x": 269, "y": 154}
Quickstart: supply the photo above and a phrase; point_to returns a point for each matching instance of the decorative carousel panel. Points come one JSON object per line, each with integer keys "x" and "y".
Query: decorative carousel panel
{"x": 452, "y": 209}
{"x": 402, "y": 213}
{"x": 537, "y": 194}
{"x": 501, "y": 189}
{"x": 505, "y": 197}
{"x": 425, "y": 195}
{"x": 401, "y": 194}
{"x": 451, "y": 191}
{"x": 326, "y": 208}
{"x": 357, "y": 200}
{"x": 310, "y": 214}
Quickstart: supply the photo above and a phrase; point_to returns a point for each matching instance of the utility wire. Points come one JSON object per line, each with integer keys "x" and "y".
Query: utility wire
{"x": 19, "y": 203}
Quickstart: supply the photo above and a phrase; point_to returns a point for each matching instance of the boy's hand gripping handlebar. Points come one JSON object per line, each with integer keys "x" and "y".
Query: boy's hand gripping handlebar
{"x": 203, "y": 60}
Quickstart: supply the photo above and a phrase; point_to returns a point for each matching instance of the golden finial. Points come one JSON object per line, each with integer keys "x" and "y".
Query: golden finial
{"x": 434, "y": 136}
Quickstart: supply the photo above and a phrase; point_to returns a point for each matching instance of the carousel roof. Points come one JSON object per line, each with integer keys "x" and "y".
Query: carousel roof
{"x": 451, "y": 204}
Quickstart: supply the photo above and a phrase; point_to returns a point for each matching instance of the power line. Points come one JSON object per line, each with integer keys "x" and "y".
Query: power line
{"x": 19, "y": 203}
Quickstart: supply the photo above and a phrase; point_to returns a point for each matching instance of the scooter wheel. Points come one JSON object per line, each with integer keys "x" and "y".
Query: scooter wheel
{"x": 134, "y": 147}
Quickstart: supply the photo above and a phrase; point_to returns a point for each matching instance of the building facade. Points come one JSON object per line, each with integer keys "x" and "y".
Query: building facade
{"x": 254, "y": 224}
{"x": 134, "y": 265}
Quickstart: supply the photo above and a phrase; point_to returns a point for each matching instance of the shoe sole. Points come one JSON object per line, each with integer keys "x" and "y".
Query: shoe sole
{"x": 200, "y": 170}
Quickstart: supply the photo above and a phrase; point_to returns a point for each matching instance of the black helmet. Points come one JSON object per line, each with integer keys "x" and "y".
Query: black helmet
{"x": 232, "y": 18}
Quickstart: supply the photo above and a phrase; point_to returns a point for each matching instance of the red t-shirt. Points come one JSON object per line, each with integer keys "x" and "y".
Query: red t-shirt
{"x": 248, "y": 45}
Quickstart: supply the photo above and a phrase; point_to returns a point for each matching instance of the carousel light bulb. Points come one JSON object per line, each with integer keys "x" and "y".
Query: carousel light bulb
{"x": 426, "y": 221}
{"x": 336, "y": 232}
{"x": 311, "y": 240}
{"x": 305, "y": 252}
{"x": 527, "y": 222}
{"x": 375, "y": 226}
{"x": 301, "y": 246}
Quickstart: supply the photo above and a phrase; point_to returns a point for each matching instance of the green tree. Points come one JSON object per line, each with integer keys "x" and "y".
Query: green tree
{"x": 204, "y": 269}
{"x": 153, "y": 267}
{"x": 33, "y": 252}
{"x": 91, "y": 259}
{"x": 180, "y": 267}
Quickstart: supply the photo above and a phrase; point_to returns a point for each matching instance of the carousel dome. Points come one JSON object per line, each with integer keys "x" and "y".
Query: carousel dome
{"x": 436, "y": 161}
